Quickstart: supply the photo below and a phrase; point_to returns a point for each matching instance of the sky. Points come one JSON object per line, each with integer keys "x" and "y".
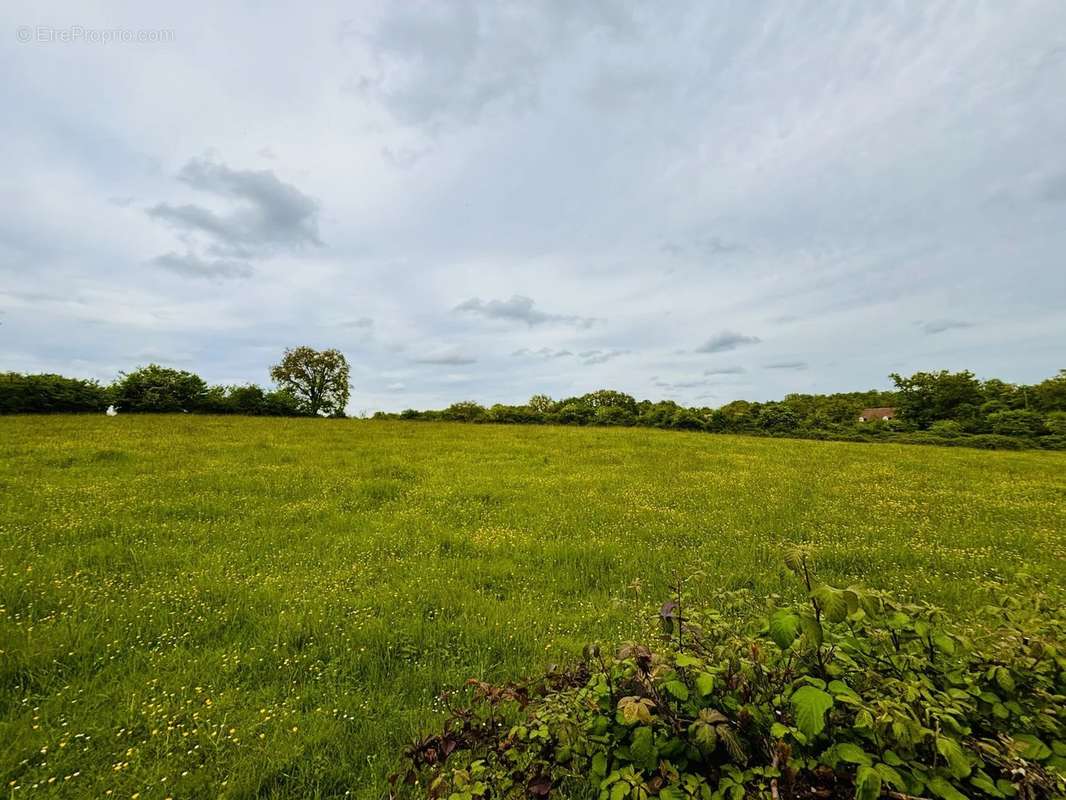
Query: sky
{"x": 696, "y": 201}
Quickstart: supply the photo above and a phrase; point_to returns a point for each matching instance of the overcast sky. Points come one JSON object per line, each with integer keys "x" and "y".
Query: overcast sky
{"x": 486, "y": 200}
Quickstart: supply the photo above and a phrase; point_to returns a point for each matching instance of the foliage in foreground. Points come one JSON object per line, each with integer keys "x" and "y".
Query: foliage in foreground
{"x": 850, "y": 695}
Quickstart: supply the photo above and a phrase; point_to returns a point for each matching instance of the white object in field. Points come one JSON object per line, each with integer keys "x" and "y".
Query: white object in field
{"x": 111, "y": 411}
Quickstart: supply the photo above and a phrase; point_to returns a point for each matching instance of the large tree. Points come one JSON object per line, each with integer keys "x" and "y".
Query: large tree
{"x": 318, "y": 379}
{"x": 926, "y": 397}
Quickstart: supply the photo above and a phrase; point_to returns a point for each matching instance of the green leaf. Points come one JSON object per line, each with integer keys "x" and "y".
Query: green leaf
{"x": 677, "y": 689}
{"x": 1031, "y": 747}
{"x": 834, "y": 606}
{"x": 794, "y": 559}
{"x": 685, "y": 660}
{"x": 1004, "y": 679}
{"x": 811, "y": 629}
{"x": 635, "y": 709}
{"x": 852, "y": 598}
{"x": 712, "y": 716}
{"x": 1006, "y": 787}
{"x": 666, "y": 793}
{"x": 945, "y": 643}
{"x": 610, "y": 779}
{"x": 810, "y": 705}
{"x": 867, "y": 784}
{"x": 642, "y": 748}
{"x": 942, "y": 787}
{"x": 619, "y": 790}
{"x": 839, "y": 688}
{"x": 982, "y": 781}
{"x": 704, "y": 736}
{"x": 952, "y": 751}
{"x": 599, "y": 765}
{"x": 853, "y": 754}
{"x": 891, "y": 777}
{"x": 732, "y": 743}
{"x": 704, "y": 683}
{"x": 784, "y": 628}
{"x": 890, "y": 757}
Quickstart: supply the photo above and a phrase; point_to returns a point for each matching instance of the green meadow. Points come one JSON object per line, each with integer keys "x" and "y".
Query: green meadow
{"x": 199, "y": 606}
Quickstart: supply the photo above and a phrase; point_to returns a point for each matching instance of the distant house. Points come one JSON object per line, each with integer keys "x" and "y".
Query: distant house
{"x": 870, "y": 414}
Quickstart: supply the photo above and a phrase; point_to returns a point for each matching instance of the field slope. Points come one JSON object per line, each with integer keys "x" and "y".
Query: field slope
{"x": 196, "y": 606}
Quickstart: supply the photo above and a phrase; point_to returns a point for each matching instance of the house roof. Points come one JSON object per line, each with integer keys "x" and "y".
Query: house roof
{"x": 878, "y": 412}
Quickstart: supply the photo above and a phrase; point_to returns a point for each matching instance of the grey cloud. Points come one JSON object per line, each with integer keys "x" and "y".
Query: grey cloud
{"x": 941, "y": 325}
{"x": 681, "y": 384}
{"x": 445, "y": 358}
{"x": 701, "y": 246}
{"x": 727, "y": 340}
{"x": 543, "y": 352}
{"x": 520, "y": 309}
{"x": 436, "y": 63}
{"x": 361, "y": 322}
{"x": 402, "y": 157}
{"x": 588, "y": 357}
{"x": 795, "y": 365}
{"x": 1054, "y": 189}
{"x": 724, "y": 371}
{"x": 600, "y": 356}
{"x": 269, "y": 214}
{"x": 193, "y": 266}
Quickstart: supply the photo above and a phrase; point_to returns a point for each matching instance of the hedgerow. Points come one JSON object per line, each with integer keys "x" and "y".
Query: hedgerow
{"x": 851, "y": 694}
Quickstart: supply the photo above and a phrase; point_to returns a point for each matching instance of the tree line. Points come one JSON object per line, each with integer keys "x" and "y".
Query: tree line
{"x": 952, "y": 408}
{"x": 308, "y": 382}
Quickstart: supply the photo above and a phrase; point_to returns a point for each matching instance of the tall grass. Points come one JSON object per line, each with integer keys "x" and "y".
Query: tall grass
{"x": 202, "y": 607}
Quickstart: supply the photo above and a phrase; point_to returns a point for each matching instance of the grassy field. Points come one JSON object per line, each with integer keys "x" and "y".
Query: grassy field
{"x": 202, "y": 607}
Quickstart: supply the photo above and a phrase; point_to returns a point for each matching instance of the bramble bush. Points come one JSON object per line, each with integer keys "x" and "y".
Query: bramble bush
{"x": 851, "y": 694}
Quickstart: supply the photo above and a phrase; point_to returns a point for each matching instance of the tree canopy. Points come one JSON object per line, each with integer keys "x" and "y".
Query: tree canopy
{"x": 156, "y": 388}
{"x": 318, "y": 379}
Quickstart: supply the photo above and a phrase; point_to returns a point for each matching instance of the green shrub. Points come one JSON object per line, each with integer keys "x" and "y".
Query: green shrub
{"x": 49, "y": 394}
{"x": 614, "y": 415}
{"x": 1055, "y": 422}
{"x": 948, "y": 428}
{"x": 513, "y": 415}
{"x": 996, "y": 441}
{"x": 574, "y": 413}
{"x": 850, "y": 694}
{"x": 464, "y": 411}
{"x": 156, "y": 388}
{"x": 686, "y": 420}
{"x": 609, "y": 398}
{"x": 777, "y": 417}
{"x": 1016, "y": 423}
